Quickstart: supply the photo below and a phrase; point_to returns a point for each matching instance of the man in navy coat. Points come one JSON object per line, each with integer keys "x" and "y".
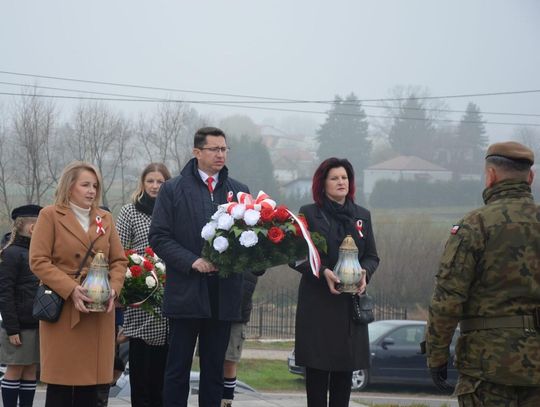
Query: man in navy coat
{"x": 197, "y": 301}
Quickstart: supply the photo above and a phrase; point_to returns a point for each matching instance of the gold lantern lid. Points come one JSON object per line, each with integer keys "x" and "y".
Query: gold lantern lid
{"x": 348, "y": 245}
{"x": 100, "y": 260}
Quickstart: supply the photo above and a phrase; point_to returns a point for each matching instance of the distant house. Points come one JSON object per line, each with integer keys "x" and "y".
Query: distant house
{"x": 404, "y": 168}
{"x": 297, "y": 188}
{"x": 293, "y": 155}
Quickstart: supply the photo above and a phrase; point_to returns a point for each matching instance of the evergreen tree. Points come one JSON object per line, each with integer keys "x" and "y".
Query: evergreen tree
{"x": 412, "y": 132}
{"x": 344, "y": 134}
{"x": 472, "y": 133}
{"x": 250, "y": 163}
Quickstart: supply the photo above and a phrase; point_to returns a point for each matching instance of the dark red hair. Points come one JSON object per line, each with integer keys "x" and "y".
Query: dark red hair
{"x": 321, "y": 173}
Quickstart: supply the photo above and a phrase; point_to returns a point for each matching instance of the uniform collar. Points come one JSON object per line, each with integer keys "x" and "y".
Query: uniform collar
{"x": 510, "y": 188}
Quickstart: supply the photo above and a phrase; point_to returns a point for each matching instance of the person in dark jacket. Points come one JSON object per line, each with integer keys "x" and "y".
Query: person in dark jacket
{"x": 198, "y": 303}
{"x": 19, "y": 340}
{"x": 237, "y": 337}
{"x": 328, "y": 342}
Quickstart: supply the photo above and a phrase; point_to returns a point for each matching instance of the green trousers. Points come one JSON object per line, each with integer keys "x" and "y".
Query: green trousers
{"x": 473, "y": 392}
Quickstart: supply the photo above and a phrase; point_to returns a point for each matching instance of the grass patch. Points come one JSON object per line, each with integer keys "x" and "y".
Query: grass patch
{"x": 268, "y": 345}
{"x": 398, "y": 405}
{"x": 269, "y": 375}
{"x": 265, "y": 375}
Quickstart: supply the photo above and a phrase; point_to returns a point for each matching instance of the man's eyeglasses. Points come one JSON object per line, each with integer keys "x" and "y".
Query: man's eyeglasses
{"x": 216, "y": 150}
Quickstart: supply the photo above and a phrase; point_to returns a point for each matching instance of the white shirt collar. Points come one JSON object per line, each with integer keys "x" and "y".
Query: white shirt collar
{"x": 205, "y": 176}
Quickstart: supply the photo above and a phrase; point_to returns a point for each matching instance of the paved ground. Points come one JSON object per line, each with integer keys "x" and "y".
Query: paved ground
{"x": 241, "y": 400}
{"x": 298, "y": 400}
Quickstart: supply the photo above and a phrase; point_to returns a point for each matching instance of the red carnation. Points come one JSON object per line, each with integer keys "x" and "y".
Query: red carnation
{"x": 149, "y": 251}
{"x": 148, "y": 265}
{"x": 267, "y": 215}
{"x": 275, "y": 234}
{"x": 282, "y": 213}
{"x": 136, "y": 270}
{"x": 129, "y": 252}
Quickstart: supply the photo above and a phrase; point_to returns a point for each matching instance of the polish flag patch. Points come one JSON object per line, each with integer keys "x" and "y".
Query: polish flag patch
{"x": 454, "y": 229}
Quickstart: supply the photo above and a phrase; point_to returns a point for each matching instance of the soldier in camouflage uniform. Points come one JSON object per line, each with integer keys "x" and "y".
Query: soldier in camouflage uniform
{"x": 489, "y": 282}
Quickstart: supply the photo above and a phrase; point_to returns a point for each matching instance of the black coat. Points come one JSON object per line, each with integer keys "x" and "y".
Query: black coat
{"x": 182, "y": 208}
{"x": 18, "y": 288}
{"x": 326, "y": 336}
{"x": 248, "y": 288}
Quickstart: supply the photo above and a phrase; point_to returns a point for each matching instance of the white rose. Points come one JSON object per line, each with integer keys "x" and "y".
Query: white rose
{"x": 218, "y": 213}
{"x": 160, "y": 266}
{"x": 128, "y": 273}
{"x": 150, "y": 282}
{"x": 209, "y": 230}
{"x": 248, "y": 238}
{"x": 225, "y": 221}
{"x": 135, "y": 258}
{"x": 238, "y": 211}
{"x": 251, "y": 217}
{"x": 220, "y": 244}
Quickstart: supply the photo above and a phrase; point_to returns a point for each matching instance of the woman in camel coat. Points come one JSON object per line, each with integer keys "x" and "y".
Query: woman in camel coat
{"x": 77, "y": 351}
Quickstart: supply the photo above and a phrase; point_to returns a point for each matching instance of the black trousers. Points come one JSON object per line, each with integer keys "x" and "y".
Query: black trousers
{"x": 213, "y": 340}
{"x": 146, "y": 372}
{"x": 320, "y": 382}
{"x": 74, "y": 396}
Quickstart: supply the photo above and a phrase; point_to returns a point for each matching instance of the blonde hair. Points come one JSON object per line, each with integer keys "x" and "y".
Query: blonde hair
{"x": 152, "y": 167}
{"x": 16, "y": 230}
{"x": 69, "y": 176}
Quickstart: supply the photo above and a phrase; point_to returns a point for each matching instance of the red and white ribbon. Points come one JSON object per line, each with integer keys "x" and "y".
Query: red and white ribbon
{"x": 263, "y": 200}
{"x": 313, "y": 254}
{"x": 100, "y": 230}
{"x": 360, "y": 227}
{"x": 139, "y": 303}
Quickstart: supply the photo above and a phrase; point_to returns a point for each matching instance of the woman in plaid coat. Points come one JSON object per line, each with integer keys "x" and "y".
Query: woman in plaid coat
{"x": 147, "y": 333}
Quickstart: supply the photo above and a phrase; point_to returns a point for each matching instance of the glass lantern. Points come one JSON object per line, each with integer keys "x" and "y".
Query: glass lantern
{"x": 97, "y": 284}
{"x": 348, "y": 268}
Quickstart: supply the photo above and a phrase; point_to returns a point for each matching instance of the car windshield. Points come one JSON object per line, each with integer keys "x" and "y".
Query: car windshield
{"x": 378, "y": 329}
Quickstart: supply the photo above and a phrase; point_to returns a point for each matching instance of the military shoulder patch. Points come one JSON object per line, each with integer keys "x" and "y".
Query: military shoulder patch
{"x": 454, "y": 229}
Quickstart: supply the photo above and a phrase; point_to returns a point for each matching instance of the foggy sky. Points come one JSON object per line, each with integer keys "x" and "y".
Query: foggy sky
{"x": 297, "y": 49}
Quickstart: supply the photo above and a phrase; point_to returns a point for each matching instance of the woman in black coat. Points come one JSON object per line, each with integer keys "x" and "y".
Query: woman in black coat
{"x": 19, "y": 339}
{"x": 328, "y": 342}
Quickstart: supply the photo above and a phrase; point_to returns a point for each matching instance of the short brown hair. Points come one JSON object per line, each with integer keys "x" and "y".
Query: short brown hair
{"x": 69, "y": 176}
{"x": 152, "y": 167}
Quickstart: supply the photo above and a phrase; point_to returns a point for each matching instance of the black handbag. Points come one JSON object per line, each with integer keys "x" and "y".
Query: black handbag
{"x": 47, "y": 303}
{"x": 362, "y": 309}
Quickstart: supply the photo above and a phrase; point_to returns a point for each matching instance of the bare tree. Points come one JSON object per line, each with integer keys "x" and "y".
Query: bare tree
{"x": 34, "y": 124}
{"x": 5, "y": 176}
{"x": 168, "y": 137}
{"x": 101, "y": 137}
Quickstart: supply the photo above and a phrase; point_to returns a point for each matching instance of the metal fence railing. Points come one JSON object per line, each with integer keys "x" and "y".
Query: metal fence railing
{"x": 273, "y": 313}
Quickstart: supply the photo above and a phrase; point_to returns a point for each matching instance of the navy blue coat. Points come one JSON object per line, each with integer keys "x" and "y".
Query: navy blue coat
{"x": 182, "y": 208}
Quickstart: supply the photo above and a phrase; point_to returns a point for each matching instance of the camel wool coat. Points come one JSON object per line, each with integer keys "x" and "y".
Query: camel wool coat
{"x": 78, "y": 349}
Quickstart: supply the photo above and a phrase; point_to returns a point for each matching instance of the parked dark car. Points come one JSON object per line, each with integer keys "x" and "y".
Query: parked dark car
{"x": 395, "y": 356}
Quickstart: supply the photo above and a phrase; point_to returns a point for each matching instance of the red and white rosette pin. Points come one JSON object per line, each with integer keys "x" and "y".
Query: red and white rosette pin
{"x": 360, "y": 227}
{"x": 313, "y": 253}
{"x": 100, "y": 230}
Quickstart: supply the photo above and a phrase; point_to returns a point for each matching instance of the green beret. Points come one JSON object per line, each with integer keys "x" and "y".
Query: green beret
{"x": 512, "y": 150}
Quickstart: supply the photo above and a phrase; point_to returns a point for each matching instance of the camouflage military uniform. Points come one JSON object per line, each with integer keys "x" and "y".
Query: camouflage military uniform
{"x": 491, "y": 268}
